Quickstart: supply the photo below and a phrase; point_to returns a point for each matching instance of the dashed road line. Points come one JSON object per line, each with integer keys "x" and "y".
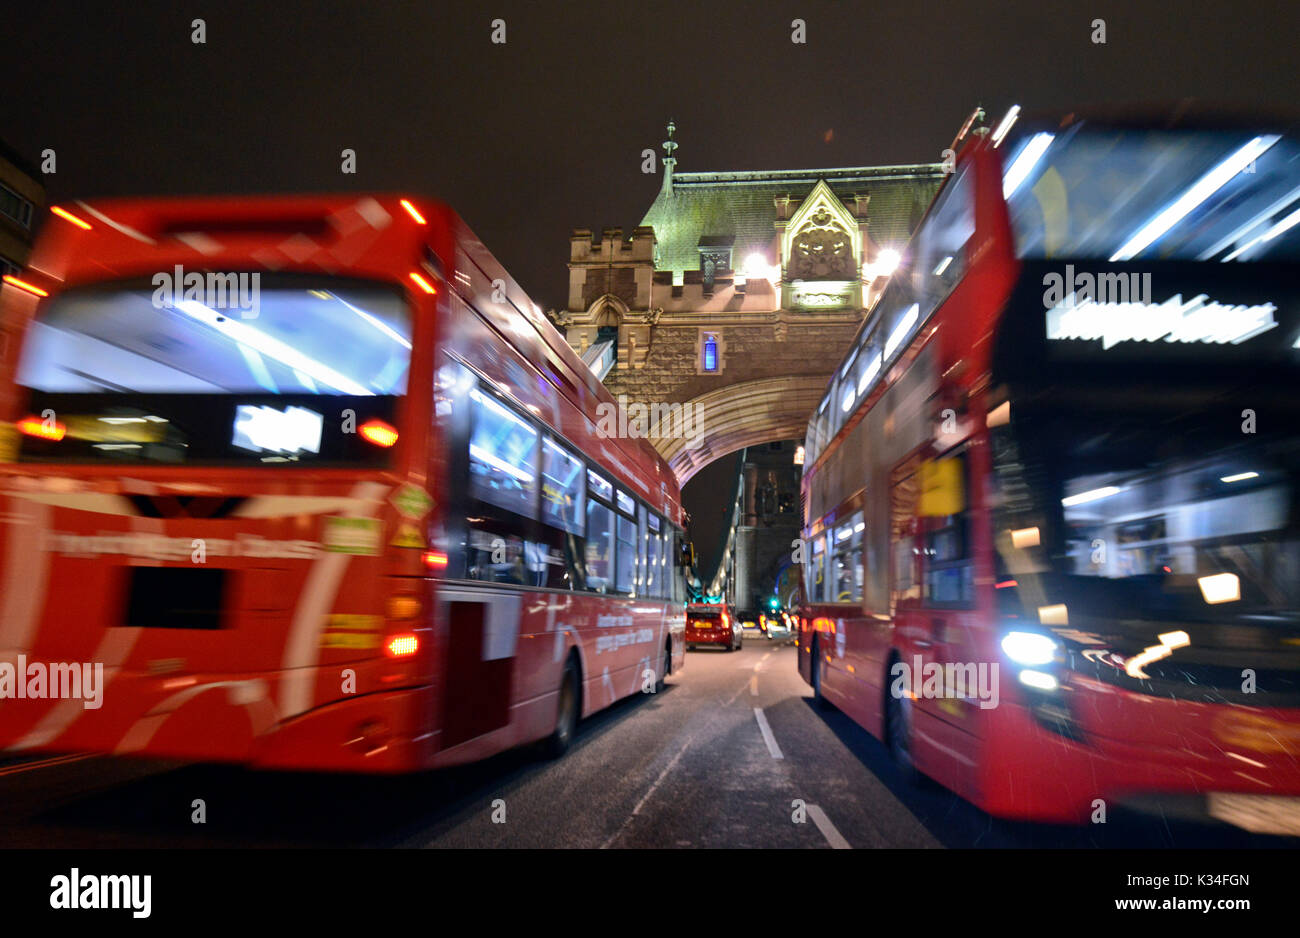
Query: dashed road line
{"x": 766, "y": 730}
{"x": 646, "y": 797}
{"x": 833, "y": 837}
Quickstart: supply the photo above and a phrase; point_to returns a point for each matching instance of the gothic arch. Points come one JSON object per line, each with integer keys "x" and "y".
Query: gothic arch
{"x": 741, "y": 415}
{"x": 608, "y": 310}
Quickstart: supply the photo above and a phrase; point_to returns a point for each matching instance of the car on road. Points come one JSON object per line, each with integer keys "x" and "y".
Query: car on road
{"x": 713, "y": 624}
{"x": 779, "y": 626}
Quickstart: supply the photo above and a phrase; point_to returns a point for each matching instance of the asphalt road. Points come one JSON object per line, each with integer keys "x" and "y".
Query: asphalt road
{"x": 732, "y": 753}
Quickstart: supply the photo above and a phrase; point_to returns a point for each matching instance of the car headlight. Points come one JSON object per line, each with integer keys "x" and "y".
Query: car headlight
{"x": 1030, "y": 648}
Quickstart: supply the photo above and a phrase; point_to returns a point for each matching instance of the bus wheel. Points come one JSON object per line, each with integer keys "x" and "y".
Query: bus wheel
{"x": 815, "y": 667}
{"x": 898, "y": 735}
{"x": 567, "y": 712}
{"x": 665, "y": 670}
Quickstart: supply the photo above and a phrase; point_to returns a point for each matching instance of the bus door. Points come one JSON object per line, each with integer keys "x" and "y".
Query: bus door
{"x": 948, "y": 617}
{"x": 914, "y": 628}
{"x": 481, "y": 635}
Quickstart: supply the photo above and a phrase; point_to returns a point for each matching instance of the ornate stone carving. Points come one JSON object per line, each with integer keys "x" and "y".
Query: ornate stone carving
{"x": 821, "y": 249}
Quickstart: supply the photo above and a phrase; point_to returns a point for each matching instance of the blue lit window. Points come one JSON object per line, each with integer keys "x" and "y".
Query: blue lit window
{"x": 710, "y": 353}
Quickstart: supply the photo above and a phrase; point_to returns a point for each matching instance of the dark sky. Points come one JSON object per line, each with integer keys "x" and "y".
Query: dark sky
{"x": 530, "y": 139}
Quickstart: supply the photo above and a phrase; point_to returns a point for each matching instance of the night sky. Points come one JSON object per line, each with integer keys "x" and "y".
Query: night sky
{"x": 532, "y": 138}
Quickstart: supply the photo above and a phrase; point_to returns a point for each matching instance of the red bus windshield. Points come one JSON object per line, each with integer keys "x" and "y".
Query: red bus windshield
{"x": 126, "y": 373}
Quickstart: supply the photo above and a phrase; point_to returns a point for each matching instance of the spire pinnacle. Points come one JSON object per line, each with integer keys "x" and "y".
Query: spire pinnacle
{"x": 669, "y": 160}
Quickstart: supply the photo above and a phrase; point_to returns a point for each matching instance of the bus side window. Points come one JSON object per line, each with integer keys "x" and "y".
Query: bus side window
{"x": 949, "y": 569}
{"x": 503, "y": 449}
{"x": 502, "y": 457}
{"x": 676, "y": 540}
{"x": 817, "y": 588}
{"x": 561, "y": 550}
{"x": 902, "y": 534}
{"x": 653, "y": 584}
{"x": 600, "y": 547}
{"x": 941, "y": 242}
{"x": 625, "y": 568}
{"x": 847, "y": 562}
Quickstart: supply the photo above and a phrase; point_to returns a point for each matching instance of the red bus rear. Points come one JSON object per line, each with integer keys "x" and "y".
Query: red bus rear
{"x": 308, "y": 482}
{"x": 1053, "y": 492}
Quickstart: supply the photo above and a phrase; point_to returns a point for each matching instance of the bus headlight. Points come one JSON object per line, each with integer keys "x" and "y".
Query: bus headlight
{"x": 1032, "y": 649}
{"x": 1039, "y": 680}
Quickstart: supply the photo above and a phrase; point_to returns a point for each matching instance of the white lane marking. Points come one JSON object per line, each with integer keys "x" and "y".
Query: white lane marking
{"x": 646, "y": 797}
{"x": 828, "y": 830}
{"x": 753, "y": 686}
{"x": 766, "y": 730}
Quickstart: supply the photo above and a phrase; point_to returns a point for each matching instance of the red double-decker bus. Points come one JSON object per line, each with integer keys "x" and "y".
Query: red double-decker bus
{"x": 309, "y": 482}
{"x": 1052, "y": 493}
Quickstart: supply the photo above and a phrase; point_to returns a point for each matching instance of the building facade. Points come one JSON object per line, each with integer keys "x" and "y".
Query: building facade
{"x": 738, "y": 293}
{"x": 22, "y": 196}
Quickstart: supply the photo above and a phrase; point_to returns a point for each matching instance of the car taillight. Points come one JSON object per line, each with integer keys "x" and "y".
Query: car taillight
{"x": 45, "y": 430}
{"x": 402, "y": 646}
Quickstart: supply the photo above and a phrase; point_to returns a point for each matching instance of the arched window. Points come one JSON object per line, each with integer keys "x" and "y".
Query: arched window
{"x": 710, "y": 353}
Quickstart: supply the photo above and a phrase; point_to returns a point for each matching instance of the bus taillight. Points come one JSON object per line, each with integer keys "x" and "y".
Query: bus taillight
{"x": 68, "y": 216}
{"x": 402, "y": 645}
{"x": 413, "y": 212}
{"x": 43, "y": 429}
{"x": 435, "y": 560}
{"x": 31, "y": 288}
{"x": 379, "y": 433}
{"x": 403, "y": 607}
{"x": 423, "y": 284}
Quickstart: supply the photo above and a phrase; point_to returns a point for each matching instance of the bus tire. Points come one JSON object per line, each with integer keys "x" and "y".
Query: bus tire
{"x": 568, "y": 710}
{"x": 899, "y": 714}
{"x": 665, "y": 669}
{"x": 815, "y": 670}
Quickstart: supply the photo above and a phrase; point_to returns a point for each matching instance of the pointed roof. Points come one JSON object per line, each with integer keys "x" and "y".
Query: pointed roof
{"x": 704, "y": 208}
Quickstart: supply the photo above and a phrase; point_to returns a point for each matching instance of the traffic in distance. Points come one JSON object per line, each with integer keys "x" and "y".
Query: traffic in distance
{"x": 1051, "y": 554}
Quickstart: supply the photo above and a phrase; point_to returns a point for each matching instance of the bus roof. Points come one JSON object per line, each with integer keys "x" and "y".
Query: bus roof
{"x": 363, "y": 234}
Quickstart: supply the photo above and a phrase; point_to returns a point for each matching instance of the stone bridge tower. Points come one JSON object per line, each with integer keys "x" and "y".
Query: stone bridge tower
{"x": 738, "y": 293}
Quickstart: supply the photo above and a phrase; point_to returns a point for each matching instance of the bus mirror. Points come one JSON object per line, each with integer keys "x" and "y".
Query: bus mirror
{"x": 941, "y": 488}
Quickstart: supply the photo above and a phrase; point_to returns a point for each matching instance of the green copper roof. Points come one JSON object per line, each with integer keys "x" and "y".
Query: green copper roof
{"x": 738, "y": 208}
